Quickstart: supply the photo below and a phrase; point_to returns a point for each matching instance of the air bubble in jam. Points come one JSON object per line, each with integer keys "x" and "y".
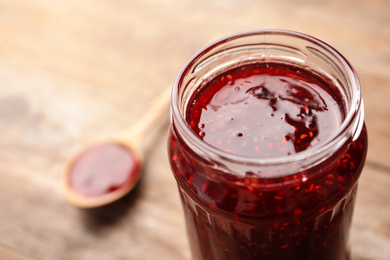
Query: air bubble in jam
{"x": 277, "y": 111}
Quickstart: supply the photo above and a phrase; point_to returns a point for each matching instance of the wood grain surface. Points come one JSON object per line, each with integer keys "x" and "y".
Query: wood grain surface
{"x": 74, "y": 70}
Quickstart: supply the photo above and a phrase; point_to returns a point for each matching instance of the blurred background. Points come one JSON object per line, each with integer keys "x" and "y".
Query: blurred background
{"x": 74, "y": 70}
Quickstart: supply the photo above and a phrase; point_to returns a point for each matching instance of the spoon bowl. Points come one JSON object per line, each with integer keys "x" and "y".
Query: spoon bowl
{"x": 107, "y": 170}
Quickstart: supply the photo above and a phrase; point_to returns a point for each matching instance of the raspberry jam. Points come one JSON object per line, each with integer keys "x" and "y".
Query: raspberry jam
{"x": 103, "y": 169}
{"x": 267, "y": 157}
{"x": 266, "y": 110}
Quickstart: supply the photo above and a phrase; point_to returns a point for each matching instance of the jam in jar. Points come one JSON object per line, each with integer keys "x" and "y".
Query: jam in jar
{"x": 267, "y": 144}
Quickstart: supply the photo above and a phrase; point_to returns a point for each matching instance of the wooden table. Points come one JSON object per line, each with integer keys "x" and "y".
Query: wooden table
{"x": 72, "y": 70}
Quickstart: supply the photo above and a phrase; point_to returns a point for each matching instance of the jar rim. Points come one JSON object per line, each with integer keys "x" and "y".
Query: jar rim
{"x": 332, "y": 143}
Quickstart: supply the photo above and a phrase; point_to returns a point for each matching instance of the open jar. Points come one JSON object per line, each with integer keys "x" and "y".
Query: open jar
{"x": 267, "y": 144}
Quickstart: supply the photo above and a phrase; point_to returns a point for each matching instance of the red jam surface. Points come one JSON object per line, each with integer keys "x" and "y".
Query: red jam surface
{"x": 103, "y": 169}
{"x": 267, "y": 110}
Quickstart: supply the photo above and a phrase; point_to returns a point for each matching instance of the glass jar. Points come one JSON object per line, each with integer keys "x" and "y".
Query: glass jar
{"x": 293, "y": 206}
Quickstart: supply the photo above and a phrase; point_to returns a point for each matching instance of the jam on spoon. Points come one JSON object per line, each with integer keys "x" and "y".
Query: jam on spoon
{"x": 106, "y": 171}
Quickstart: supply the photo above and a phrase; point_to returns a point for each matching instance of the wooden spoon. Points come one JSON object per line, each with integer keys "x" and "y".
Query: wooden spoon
{"x": 107, "y": 170}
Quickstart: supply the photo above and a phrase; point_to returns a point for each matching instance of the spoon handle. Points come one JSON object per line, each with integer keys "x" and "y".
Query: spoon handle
{"x": 156, "y": 115}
